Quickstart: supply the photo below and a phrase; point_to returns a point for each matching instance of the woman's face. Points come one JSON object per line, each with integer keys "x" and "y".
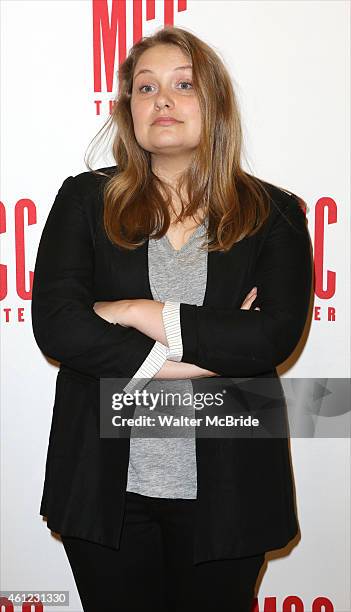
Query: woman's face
{"x": 165, "y": 90}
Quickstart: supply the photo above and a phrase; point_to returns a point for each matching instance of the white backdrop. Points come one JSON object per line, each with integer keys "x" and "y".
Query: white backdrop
{"x": 289, "y": 61}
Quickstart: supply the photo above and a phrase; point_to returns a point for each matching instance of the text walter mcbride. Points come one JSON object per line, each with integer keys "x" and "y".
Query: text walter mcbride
{"x": 185, "y": 421}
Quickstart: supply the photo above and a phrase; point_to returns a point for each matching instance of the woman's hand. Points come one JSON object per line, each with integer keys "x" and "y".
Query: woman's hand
{"x": 113, "y": 312}
{"x": 183, "y": 370}
{"x": 251, "y": 296}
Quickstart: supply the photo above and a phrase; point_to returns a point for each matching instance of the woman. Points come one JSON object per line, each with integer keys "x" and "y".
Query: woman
{"x": 173, "y": 264}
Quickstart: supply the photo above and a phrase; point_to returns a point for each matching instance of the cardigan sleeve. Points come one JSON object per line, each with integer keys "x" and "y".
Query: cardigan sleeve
{"x": 236, "y": 342}
{"x": 171, "y": 323}
{"x": 65, "y": 326}
{"x": 160, "y": 353}
{"x": 150, "y": 366}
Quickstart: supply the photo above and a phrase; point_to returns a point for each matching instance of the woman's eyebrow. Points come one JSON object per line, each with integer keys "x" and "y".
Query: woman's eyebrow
{"x": 148, "y": 70}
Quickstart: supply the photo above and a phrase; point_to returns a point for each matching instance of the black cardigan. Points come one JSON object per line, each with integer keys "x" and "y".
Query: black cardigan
{"x": 245, "y": 489}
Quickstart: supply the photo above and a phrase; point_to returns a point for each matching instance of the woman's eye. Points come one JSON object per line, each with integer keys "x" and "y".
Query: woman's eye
{"x": 140, "y": 88}
{"x": 180, "y": 83}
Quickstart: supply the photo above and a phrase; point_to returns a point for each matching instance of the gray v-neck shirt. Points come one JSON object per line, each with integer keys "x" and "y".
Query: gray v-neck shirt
{"x": 166, "y": 466}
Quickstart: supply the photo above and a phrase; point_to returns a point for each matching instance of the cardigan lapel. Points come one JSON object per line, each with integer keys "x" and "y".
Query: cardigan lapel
{"x": 227, "y": 274}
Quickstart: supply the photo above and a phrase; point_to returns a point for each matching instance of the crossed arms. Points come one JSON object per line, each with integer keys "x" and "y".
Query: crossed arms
{"x": 226, "y": 341}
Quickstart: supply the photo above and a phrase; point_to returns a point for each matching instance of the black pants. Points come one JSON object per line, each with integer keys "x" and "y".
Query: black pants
{"x": 153, "y": 570}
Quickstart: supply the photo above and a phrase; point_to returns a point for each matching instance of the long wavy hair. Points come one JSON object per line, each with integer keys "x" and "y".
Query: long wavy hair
{"x": 137, "y": 203}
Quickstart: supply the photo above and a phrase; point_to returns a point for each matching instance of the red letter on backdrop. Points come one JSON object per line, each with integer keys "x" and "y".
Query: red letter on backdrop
{"x": 319, "y": 229}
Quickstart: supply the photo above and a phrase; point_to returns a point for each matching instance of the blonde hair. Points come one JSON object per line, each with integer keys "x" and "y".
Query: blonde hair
{"x": 137, "y": 204}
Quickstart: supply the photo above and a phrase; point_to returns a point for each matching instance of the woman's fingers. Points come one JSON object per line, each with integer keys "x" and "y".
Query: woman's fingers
{"x": 250, "y": 298}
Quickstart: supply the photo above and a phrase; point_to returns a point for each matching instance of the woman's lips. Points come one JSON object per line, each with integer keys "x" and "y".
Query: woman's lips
{"x": 165, "y": 122}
